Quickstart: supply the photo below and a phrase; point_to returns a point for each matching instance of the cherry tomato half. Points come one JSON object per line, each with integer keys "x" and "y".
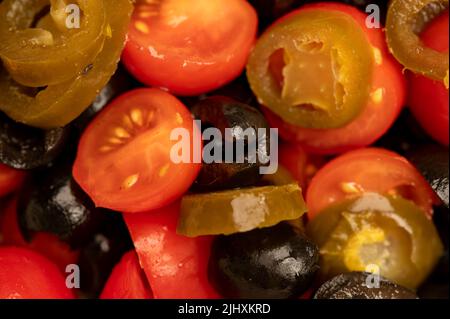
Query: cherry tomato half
{"x": 24, "y": 274}
{"x": 189, "y": 46}
{"x": 10, "y": 179}
{"x": 176, "y": 266}
{"x": 428, "y": 99}
{"x": 385, "y": 101}
{"x": 127, "y": 280}
{"x": 368, "y": 170}
{"x": 124, "y": 157}
{"x": 47, "y": 244}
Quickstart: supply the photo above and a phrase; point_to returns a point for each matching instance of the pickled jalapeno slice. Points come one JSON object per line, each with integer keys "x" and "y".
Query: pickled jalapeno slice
{"x": 239, "y": 210}
{"x": 56, "y": 105}
{"x": 384, "y": 234}
{"x": 313, "y": 68}
{"x": 58, "y": 49}
{"x": 405, "y": 44}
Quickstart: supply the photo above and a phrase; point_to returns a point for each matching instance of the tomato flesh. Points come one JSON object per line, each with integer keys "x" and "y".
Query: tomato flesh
{"x": 127, "y": 280}
{"x": 176, "y": 266}
{"x": 189, "y": 46}
{"x": 368, "y": 170}
{"x": 124, "y": 157}
{"x": 25, "y": 274}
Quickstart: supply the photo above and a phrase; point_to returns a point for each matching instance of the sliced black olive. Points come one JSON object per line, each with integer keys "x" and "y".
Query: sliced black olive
{"x": 52, "y": 202}
{"x": 432, "y": 161}
{"x": 102, "y": 253}
{"x": 277, "y": 262}
{"x": 24, "y": 147}
{"x": 225, "y": 113}
{"x": 358, "y": 285}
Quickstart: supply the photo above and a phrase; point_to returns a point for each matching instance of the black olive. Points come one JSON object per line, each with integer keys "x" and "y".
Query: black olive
{"x": 52, "y": 202}
{"x": 432, "y": 161}
{"x": 277, "y": 262}
{"x": 102, "y": 253}
{"x": 222, "y": 113}
{"x": 358, "y": 285}
{"x": 25, "y": 147}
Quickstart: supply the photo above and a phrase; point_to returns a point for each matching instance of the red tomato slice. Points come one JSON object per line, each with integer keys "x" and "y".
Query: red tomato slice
{"x": 385, "y": 104}
{"x": 429, "y": 99}
{"x": 48, "y": 245}
{"x": 127, "y": 280}
{"x": 301, "y": 165}
{"x": 176, "y": 266}
{"x": 190, "y": 46}
{"x": 10, "y": 179}
{"x": 368, "y": 170}
{"x": 24, "y": 274}
{"x": 123, "y": 159}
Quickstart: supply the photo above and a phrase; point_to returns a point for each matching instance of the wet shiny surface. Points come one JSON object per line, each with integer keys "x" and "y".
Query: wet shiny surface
{"x": 223, "y": 112}
{"x": 359, "y": 285}
{"x": 52, "y": 202}
{"x": 24, "y": 147}
{"x": 276, "y": 262}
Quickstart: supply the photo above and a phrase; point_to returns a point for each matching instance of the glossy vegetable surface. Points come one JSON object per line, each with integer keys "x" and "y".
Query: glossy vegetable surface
{"x": 276, "y": 262}
{"x": 189, "y": 47}
{"x": 240, "y": 210}
{"x": 388, "y": 234}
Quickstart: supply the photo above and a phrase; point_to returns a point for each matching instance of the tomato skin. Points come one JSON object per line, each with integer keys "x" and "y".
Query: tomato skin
{"x": 25, "y": 274}
{"x": 176, "y": 266}
{"x": 429, "y": 99}
{"x": 374, "y": 120}
{"x": 10, "y": 179}
{"x": 300, "y": 164}
{"x": 369, "y": 170}
{"x": 127, "y": 280}
{"x": 179, "y": 67}
{"x": 47, "y": 244}
{"x": 137, "y": 173}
